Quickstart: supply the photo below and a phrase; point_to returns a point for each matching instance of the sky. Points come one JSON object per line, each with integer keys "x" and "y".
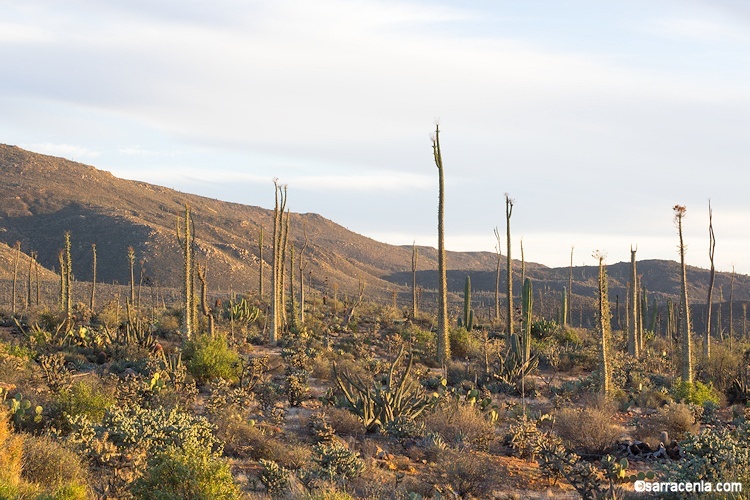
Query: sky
{"x": 596, "y": 117}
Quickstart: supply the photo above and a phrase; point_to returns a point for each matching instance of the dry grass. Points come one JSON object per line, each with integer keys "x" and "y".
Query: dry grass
{"x": 49, "y": 463}
{"x": 461, "y": 425}
{"x": 589, "y": 430}
{"x": 11, "y": 452}
{"x": 676, "y": 419}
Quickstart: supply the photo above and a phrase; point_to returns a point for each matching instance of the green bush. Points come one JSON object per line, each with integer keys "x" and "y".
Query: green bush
{"x": 697, "y": 392}
{"x": 87, "y": 398}
{"x": 461, "y": 342}
{"x": 210, "y": 358}
{"x": 196, "y": 474}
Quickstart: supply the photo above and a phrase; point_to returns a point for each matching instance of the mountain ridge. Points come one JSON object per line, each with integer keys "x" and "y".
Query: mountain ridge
{"x": 43, "y": 196}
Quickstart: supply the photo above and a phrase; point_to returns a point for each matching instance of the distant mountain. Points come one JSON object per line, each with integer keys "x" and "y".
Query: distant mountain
{"x": 42, "y": 196}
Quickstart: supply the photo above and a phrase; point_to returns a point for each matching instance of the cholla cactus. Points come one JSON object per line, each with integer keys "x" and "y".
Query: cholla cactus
{"x": 274, "y": 477}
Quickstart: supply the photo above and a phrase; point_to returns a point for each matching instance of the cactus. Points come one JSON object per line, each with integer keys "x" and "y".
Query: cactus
{"x": 468, "y": 318}
{"x": 15, "y": 275}
{"x": 563, "y": 318}
{"x": 512, "y": 369}
{"x": 632, "y": 307}
{"x": 186, "y": 239}
{"x": 605, "y": 327}
{"x": 509, "y": 267}
{"x": 260, "y": 262}
{"x": 21, "y": 411}
{"x": 443, "y": 341}
{"x": 207, "y": 311}
{"x": 92, "y": 299}
{"x": 379, "y": 403}
{"x": 242, "y": 312}
{"x": 654, "y": 310}
{"x": 68, "y": 279}
{"x": 277, "y": 274}
{"x": 526, "y": 313}
{"x": 685, "y": 326}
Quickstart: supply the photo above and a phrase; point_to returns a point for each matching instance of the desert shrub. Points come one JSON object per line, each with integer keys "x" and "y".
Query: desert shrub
{"x": 241, "y": 439}
{"x": 433, "y": 445}
{"x": 567, "y": 335}
{"x": 209, "y": 358}
{"x": 722, "y": 367}
{"x": 321, "y": 367}
{"x": 329, "y": 492}
{"x": 11, "y": 452}
{"x": 86, "y": 397}
{"x": 543, "y": 328}
{"x": 697, "y": 392}
{"x": 49, "y": 463}
{"x": 168, "y": 322}
{"x": 645, "y": 398}
{"x": 677, "y": 419}
{"x": 467, "y": 473}
{"x": 463, "y": 343}
{"x": 587, "y": 430}
{"x": 404, "y": 428}
{"x": 38, "y": 467}
{"x": 461, "y": 425}
{"x": 526, "y": 439}
{"x": 422, "y": 342}
{"x": 244, "y": 439}
{"x": 344, "y": 422}
{"x": 178, "y": 473}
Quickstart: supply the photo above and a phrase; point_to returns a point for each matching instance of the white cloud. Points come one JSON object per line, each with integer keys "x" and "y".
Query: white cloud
{"x": 373, "y": 181}
{"x": 704, "y": 30}
{"x": 139, "y": 151}
{"x": 16, "y": 33}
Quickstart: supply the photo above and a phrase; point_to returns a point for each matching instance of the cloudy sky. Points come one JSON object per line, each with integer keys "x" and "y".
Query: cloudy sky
{"x": 597, "y": 117}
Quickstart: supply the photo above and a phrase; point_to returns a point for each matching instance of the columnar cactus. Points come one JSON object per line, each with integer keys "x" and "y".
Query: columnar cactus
{"x": 67, "y": 278}
{"x": 15, "y": 276}
{"x": 92, "y": 301}
{"x": 468, "y": 318}
{"x": 443, "y": 341}
{"x": 711, "y": 279}
{"x": 509, "y": 289}
{"x": 279, "y": 239}
{"x": 526, "y": 312}
{"x": 633, "y": 307}
{"x": 205, "y": 309}
{"x": 260, "y": 262}
{"x": 685, "y": 333}
{"x": 186, "y": 239}
{"x": 604, "y": 320}
{"x": 563, "y": 320}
